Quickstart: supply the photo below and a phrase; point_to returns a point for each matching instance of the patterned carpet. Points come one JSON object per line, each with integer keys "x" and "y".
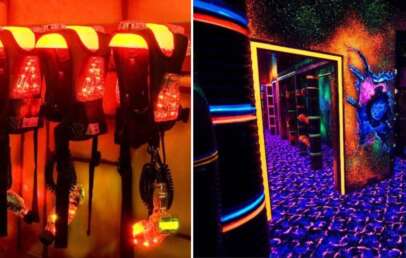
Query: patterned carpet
{"x": 311, "y": 219}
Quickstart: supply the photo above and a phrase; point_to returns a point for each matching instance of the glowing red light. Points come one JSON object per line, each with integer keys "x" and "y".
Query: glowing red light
{"x": 28, "y": 82}
{"x": 92, "y": 82}
{"x": 168, "y": 102}
{"x": 146, "y": 232}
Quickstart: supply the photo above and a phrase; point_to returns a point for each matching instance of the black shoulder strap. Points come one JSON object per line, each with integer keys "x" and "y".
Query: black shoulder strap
{"x": 94, "y": 162}
{"x": 5, "y": 181}
{"x": 34, "y": 206}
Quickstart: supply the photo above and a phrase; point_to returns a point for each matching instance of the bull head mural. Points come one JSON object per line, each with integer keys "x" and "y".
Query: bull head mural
{"x": 375, "y": 105}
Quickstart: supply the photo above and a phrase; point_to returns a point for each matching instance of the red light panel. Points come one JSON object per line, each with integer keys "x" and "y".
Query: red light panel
{"x": 28, "y": 82}
{"x": 92, "y": 83}
{"x": 168, "y": 102}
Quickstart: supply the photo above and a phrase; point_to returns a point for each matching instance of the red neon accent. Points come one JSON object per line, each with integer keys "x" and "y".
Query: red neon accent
{"x": 28, "y": 82}
{"x": 168, "y": 102}
{"x": 220, "y": 22}
{"x": 233, "y": 119}
{"x": 303, "y": 118}
{"x": 92, "y": 83}
{"x": 305, "y": 140}
{"x": 243, "y": 220}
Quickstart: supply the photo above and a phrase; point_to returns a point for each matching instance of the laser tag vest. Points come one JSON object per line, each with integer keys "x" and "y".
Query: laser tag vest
{"x": 56, "y": 64}
{"x": 148, "y": 58}
{"x": 20, "y": 78}
{"x": 74, "y": 64}
{"x": 20, "y": 103}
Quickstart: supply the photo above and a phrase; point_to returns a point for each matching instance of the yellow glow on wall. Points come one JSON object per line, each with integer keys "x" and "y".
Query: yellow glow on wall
{"x": 24, "y": 36}
{"x": 255, "y": 45}
{"x": 87, "y": 35}
{"x": 128, "y": 40}
{"x": 52, "y": 40}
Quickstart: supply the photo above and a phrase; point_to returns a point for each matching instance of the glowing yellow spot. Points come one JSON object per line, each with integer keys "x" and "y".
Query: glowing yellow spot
{"x": 53, "y": 217}
{"x": 128, "y": 40}
{"x": 138, "y": 228}
{"x": 52, "y": 40}
{"x": 24, "y": 36}
{"x": 163, "y": 35}
{"x": 87, "y": 35}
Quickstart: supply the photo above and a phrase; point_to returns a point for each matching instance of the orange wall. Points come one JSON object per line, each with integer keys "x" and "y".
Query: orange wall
{"x": 96, "y": 11}
{"x": 68, "y": 11}
{"x": 159, "y": 11}
{"x": 3, "y": 12}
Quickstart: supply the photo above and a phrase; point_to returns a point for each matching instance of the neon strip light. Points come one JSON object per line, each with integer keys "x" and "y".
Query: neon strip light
{"x": 206, "y": 157}
{"x": 240, "y": 108}
{"x": 221, "y": 11}
{"x": 233, "y": 119}
{"x": 255, "y": 70}
{"x": 220, "y": 22}
{"x": 206, "y": 160}
{"x": 244, "y": 210}
{"x": 212, "y": 159}
{"x": 243, "y": 220}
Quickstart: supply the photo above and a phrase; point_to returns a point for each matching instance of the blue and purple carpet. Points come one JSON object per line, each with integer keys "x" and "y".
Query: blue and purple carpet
{"x": 311, "y": 219}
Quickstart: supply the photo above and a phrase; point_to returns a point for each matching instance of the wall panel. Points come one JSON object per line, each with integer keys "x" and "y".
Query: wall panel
{"x": 64, "y": 11}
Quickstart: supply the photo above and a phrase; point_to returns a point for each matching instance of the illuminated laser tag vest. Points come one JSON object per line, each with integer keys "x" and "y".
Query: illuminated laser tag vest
{"x": 74, "y": 64}
{"x": 75, "y": 67}
{"x": 20, "y": 103}
{"x": 56, "y": 64}
{"x": 20, "y": 70}
{"x": 148, "y": 58}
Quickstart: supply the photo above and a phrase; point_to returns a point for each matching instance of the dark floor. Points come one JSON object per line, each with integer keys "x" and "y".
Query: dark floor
{"x": 311, "y": 219}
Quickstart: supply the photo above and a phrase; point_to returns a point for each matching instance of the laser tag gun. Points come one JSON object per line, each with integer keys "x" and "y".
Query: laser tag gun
{"x": 20, "y": 102}
{"x": 151, "y": 232}
{"x": 148, "y": 58}
{"x": 74, "y": 63}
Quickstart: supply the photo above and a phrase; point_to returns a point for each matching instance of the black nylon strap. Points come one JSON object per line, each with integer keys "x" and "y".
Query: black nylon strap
{"x": 34, "y": 206}
{"x": 94, "y": 161}
{"x": 5, "y": 181}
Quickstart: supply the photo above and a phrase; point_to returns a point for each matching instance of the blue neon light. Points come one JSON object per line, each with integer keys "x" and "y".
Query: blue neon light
{"x": 239, "y": 108}
{"x": 212, "y": 8}
{"x": 240, "y": 212}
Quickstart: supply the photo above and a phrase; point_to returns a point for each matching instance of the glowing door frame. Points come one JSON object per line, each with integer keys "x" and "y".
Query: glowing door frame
{"x": 255, "y": 45}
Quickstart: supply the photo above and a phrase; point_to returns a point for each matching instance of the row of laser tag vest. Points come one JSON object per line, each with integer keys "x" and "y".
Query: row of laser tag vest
{"x": 73, "y": 61}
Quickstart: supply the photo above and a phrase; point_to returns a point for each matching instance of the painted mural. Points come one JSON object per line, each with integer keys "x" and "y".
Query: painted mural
{"x": 374, "y": 104}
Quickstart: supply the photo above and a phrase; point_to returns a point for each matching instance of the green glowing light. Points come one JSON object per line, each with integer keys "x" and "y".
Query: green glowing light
{"x": 169, "y": 225}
